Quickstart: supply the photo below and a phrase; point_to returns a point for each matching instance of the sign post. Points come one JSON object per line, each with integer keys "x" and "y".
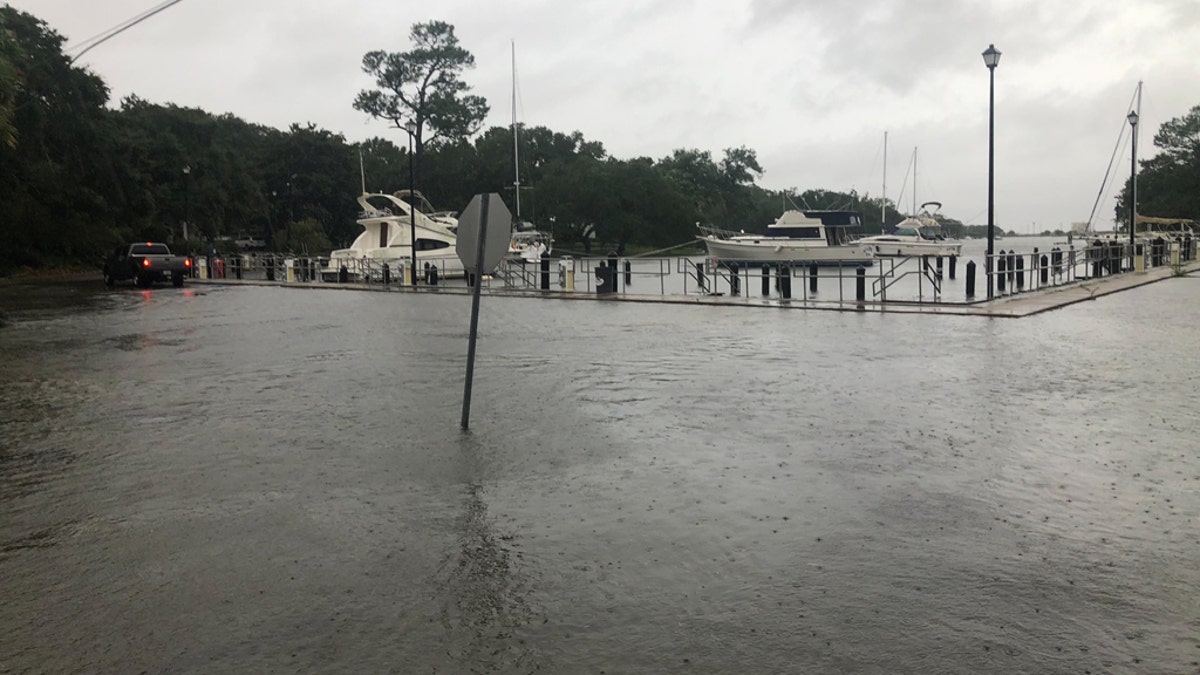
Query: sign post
{"x": 484, "y": 230}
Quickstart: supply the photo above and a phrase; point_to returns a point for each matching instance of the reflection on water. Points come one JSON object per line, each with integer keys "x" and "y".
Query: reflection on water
{"x": 266, "y": 479}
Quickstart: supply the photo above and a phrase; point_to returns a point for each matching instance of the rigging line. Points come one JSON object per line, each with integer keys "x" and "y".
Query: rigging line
{"x": 121, "y": 28}
{"x": 873, "y": 161}
{"x": 691, "y": 242}
{"x": 1117, "y": 147}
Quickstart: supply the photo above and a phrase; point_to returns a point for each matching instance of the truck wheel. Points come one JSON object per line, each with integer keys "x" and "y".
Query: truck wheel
{"x": 138, "y": 281}
{"x": 177, "y": 279}
{"x": 108, "y": 279}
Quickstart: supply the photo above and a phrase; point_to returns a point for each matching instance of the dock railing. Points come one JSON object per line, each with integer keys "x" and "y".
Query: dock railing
{"x": 893, "y": 280}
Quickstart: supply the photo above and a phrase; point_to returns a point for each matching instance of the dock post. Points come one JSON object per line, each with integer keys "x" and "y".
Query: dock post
{"x": 766, "y": 281}
{"x": 735, "y": 280}
{"x": 433, "y": 275}
{"x": 937, "y": 261}
{"x": 953, "y": 264}
{"x": 1012, "y": 269}
{"x": 1001, "y": 262}
{"x": 612, "y": 265}
{"x": 343, "y": 274}
{"x": 1020, "y": 273}
{"x": 1044, "y": 264}
{"x": 387, "y": 274}
{"x": 785, "y": 281}
{"x": 700, "y": 278}
{"x": 545, "y": 271}
{"x": 860, "y": 283}
{"x": 812, "y": 278}
{"x": 970, "y": 278}
{"x": 628, "y": 274}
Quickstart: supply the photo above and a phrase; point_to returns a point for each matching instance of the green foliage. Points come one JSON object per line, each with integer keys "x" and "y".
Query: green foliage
{"x": 10, "y": 82}
{"x": 56, "y": 166}
{"x": 423, "y": 87}
{"x": 1169, "y": 182}
{"x": 308, "y": 236}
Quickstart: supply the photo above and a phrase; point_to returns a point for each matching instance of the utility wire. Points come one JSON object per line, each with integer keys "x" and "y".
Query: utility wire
{"x": 100, "y": 38}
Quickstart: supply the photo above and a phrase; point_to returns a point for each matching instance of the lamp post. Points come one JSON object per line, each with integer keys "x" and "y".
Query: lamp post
{"x": 412, "y": 200}
{"x": 187, "y": 188}
{"x": 990, "y": 58}
{"x": 1133, "y": 120}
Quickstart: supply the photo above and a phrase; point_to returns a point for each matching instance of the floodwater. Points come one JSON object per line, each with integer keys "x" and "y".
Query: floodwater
{"x": 891, "y": 279}
{"x": 258, "y": 479}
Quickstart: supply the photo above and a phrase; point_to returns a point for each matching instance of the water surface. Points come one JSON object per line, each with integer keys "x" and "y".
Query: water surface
{"x": 264, "y": 479}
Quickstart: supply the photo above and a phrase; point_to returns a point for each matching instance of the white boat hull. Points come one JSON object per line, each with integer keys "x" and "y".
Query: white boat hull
{"x": 891, "y": 249}
{"x": 370, "y": 267}
{"x": 770, "y": 249}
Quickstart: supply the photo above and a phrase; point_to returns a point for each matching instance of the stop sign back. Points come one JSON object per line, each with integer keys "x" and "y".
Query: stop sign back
{"x": 496, "y": 237}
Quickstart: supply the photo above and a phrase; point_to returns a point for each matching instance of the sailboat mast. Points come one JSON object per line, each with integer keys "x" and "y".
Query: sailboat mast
{"x": 1133, "y": 170}
{"x": 883, "y": 197}
{"x": 516, "y": 152}
{"x": 914, "y": 207}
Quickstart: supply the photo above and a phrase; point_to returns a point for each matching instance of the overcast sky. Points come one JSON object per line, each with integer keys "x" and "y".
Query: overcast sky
{"x": 811, "y": 85}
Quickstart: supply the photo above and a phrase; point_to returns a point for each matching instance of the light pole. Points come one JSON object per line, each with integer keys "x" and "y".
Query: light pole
{"x": 187, "y": 188}
{"x": 412, "y": 200}
{"x": 1133, "y": 120}
{"x": 990, "y": 58}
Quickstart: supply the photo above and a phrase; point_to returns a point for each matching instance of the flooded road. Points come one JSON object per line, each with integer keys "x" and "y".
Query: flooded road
{"x": 267, "y": 479}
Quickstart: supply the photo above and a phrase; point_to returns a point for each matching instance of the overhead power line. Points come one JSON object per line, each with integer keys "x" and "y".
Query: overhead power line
{"x": 100, "y": 38}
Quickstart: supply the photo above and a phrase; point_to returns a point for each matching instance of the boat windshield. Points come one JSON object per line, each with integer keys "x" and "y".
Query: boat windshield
{"x": 794, "y": 232}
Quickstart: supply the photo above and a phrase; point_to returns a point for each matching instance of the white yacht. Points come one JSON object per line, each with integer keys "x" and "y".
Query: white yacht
{"x": 528, "y": 244}
{"x": 810, "y": 236}
{"x": 914, "y": 236}
{"x": 388, "y": 222}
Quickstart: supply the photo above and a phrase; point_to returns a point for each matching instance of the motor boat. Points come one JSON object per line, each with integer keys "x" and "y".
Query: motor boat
{"x": 808, "y": 236}
{"x": 914, "y": 236}
{"x": 528, "y": 244}
{"x": 389, "y": 222}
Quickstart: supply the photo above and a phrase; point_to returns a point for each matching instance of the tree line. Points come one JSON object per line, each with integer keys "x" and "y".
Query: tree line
{"x": 78, "y": 176}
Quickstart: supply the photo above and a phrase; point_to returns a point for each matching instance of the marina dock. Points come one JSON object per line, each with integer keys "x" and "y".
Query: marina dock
{"x": 1039, "y": 298}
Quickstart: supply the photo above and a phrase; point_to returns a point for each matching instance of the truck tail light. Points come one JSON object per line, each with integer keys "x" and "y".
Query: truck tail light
{"x": 145, "y": 262}
{"x": 187, "y": 262}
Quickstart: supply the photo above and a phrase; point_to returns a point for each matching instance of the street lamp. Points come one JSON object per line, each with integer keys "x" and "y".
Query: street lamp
{"x": 411, "y": 128}
{"x": 990, "y": 58}
{"x": 187, "y": 186}
{"x": 1133, "y": 120}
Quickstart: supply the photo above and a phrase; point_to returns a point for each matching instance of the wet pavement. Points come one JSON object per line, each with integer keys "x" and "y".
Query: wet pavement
{"x": 231, "y": 478}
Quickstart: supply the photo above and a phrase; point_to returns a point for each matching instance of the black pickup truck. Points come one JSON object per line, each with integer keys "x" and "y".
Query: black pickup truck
{"x": 145, "y": 263}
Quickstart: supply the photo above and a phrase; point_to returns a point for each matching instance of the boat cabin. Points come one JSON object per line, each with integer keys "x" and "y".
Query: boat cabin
{"x": 832, "y": 227}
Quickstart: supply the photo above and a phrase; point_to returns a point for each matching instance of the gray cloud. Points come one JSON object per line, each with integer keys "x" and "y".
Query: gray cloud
{"x": 811, "y": 86}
